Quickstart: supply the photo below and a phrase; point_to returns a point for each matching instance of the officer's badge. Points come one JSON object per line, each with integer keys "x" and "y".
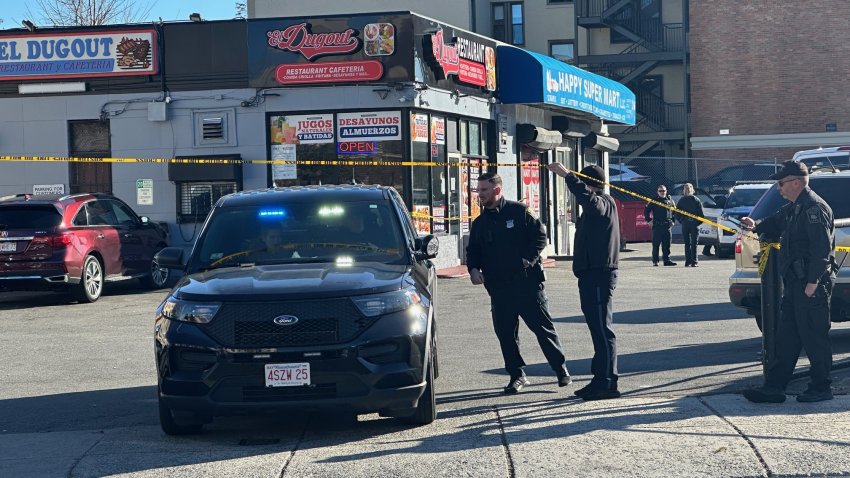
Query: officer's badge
{"x": 509, "y": 223}
{"x": 814, "y": 215}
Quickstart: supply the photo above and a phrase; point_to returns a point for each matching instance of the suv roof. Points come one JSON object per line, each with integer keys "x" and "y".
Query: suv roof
{"x": 25, "y": 198}
{"x": 820, "y": 152}
{"x": 753, "y": 184}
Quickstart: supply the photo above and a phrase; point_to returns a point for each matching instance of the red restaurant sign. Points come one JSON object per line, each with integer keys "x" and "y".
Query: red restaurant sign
{"x": 333, "y": 72}
{"x": 298, "y": 38}
{"x": 469, "y": 60}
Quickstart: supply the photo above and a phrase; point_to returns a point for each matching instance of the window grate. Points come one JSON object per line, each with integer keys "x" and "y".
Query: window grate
{"x": 197, "y": 198}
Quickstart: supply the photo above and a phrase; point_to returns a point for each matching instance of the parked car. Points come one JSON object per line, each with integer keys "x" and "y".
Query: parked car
{"x": 622, "y": 172}
{"x": 723, "y": 180}
{"x": 299, "y": 299}
{"x": 740, "y": 202}
{"x": 707, "y": 233}
{"x": 745, "y": 283}
{"x": 76, "y": 243}
{"x": 825, "y": 158}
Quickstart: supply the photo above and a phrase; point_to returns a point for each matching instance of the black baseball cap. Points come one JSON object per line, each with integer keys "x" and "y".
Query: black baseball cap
{"x": 596, "y": 173}
{"x": 791, "y": 168}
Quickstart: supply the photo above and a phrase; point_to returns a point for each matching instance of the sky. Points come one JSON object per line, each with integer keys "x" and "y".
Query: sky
{"x": 13, "y": 11}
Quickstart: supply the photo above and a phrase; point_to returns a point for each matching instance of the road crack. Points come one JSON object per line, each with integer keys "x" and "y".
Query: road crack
{"x": 295, "y": 448}
{"x": 508, "y": 457}
{"x": 78, "y": 460}
{"x": 768, "y": 472}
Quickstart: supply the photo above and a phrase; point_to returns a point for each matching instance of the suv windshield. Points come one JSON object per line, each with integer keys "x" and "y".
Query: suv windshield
{"x": 744, "y": 197}
{"x": 344, "y": 233}
{"x": 833, "y": 191}
{"x": 29, "y": 217}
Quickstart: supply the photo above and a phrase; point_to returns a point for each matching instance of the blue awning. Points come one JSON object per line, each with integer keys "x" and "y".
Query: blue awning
{"x": 526, "y": 77}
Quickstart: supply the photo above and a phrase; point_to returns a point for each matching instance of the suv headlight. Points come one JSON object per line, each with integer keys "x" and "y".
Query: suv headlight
{"x": 388, "y": 302}
{"x": 187, "y": 311}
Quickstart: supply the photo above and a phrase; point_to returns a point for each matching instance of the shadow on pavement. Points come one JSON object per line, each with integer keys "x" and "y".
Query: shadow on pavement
{"x": 671, "y": 315}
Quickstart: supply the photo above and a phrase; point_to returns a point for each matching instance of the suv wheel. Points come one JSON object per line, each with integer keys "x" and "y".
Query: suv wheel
{"x": 426, "y": 410}
{"x": 157, "y": 278}
{"x": 172, "y": 425}
{"x": 91, "y": 283}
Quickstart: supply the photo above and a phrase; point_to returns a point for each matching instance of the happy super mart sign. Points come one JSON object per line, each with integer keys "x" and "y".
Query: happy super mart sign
{"x": 114, "y": 53}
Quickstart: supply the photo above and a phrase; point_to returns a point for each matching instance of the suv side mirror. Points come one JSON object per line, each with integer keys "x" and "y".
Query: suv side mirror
{"x": 721, "y": 201}
{"x": 170, "y": 257}
{"x": 427, "y": 247}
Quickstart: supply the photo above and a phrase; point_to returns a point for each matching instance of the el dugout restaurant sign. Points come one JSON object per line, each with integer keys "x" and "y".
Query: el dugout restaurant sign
{"x": 74, "y": 55}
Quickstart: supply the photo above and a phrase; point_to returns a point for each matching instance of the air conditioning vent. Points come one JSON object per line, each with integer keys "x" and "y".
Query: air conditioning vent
{"x": 213, "y": 128}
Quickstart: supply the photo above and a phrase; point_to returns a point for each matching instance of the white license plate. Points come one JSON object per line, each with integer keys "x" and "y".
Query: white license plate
{"x": 287, "y": 374}
{"x": 8, "y": 246}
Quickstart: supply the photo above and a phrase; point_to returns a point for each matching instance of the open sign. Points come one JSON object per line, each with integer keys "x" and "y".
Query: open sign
{"x": 356, "y": 147}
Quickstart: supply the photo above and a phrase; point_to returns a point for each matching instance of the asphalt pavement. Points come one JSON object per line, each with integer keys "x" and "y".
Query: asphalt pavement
{"x": 78, "y": 396}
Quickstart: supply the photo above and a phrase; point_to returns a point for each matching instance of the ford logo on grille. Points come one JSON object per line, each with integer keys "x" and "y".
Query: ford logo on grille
{"x": 285, "y": 320}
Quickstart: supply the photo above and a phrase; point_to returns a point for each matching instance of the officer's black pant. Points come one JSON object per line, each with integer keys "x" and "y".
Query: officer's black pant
{"x": 803, "y": 323}
{"x": 596, "y": 289}
{"x": 661, "y": 236}
{"x": 525, "y": 298}
{"x": 690, "y": 232}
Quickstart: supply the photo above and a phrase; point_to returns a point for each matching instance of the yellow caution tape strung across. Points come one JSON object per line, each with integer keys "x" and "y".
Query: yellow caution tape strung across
{"x": 362, "y": 163}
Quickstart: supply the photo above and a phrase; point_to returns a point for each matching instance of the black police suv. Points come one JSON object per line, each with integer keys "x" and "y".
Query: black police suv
{"x": 300, "y": 299}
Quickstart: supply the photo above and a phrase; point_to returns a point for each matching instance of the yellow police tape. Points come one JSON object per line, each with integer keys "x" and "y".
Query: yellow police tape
{"x": 362, "y": 163}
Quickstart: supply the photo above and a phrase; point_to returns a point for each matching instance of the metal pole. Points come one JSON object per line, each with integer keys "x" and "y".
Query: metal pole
{"x": 771, "y": 298}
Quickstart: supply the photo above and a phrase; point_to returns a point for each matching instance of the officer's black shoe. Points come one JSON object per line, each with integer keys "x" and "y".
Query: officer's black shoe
{"x": 764, "y": 395}
{"x": 694, "y": 264}
{"x": 687, "y": 264}
{"x": 516, "y": 384}
{"x": 814, "y": 396}
{"x": 707, "y": 254}
{"x": 655, "y": 263}
{"x": 669, "y": 263}
{"x": 600, "y": 394}
{"x": 564, "y": 378}
{"x": 584, "y": 390}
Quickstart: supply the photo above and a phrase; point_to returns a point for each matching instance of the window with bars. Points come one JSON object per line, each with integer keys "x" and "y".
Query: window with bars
{"x": 196, "y": 199}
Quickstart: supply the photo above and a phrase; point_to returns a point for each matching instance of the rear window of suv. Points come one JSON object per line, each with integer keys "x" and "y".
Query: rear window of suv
{"x": 832, "y": 190}
{"x": 29, "y": 217}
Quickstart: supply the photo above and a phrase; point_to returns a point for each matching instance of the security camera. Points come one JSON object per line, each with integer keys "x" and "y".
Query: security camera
{"x": 168, "y": 99}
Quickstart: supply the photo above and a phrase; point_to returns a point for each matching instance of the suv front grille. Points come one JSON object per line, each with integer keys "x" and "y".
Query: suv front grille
{"x": 282, "y": 394}
{"x": 251, "y": 325}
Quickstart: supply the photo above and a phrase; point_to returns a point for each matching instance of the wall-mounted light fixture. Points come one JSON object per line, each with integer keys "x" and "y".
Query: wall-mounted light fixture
{"x": 28, "y": 25}
{"x": 195, "y": 17}
{"x": 37, "y": 88}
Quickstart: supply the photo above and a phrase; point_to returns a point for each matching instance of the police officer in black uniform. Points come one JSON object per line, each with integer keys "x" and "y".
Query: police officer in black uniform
{"x": 595, "y": 263}
{"x": 662, "y": 225}
{"x": 505, "y": 243}
{"x": 807, "y": 267}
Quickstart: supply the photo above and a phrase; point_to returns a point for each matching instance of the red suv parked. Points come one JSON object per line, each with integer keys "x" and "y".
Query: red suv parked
{"x": 76, "y": 242}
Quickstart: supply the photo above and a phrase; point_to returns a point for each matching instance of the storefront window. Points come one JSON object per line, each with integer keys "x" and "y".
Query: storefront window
{"x": 464, "y": 139}
{"x": 474, "y": 138}
{"x": 420, "y": 152}
{"x": 439, "y": 175}
{"x": 362, "y": 137}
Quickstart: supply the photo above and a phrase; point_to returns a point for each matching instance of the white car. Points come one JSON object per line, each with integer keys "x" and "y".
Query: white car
{"x": 622, "y": 172}
{"x": 739, "y": 203}
{"x": 825, "y": 158}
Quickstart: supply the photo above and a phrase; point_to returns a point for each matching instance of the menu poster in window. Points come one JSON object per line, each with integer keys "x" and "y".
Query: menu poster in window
{"x": 284, "y": 152}
{"x": 369, "y": 126}
{"x": 438, "y": 130}
{"x": 439, "y": 219}
{"x": 422, "y": 219}
{"x": 418, "y": 128}
{"x": 531, "y": 186}
{"x": 302, "y": 129}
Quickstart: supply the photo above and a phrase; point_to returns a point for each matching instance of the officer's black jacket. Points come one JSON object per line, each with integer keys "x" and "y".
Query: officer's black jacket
{"x": 807, "y": 234}
{"x": 500, "y": 238}
{"x": 597, "y": 235}
{"x": 690, "y": 204}
{"x": 661, "y": 217}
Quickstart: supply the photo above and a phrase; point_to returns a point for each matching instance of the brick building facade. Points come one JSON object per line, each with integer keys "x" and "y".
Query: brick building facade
{"x": 768, "y": 74}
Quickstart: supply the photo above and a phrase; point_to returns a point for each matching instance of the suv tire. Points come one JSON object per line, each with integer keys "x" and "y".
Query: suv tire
{"x": 174, "y": 426}
{"x": 426, "y": 410}
{"x": 158, "y": 276}
{"x": 91, "y": 282}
